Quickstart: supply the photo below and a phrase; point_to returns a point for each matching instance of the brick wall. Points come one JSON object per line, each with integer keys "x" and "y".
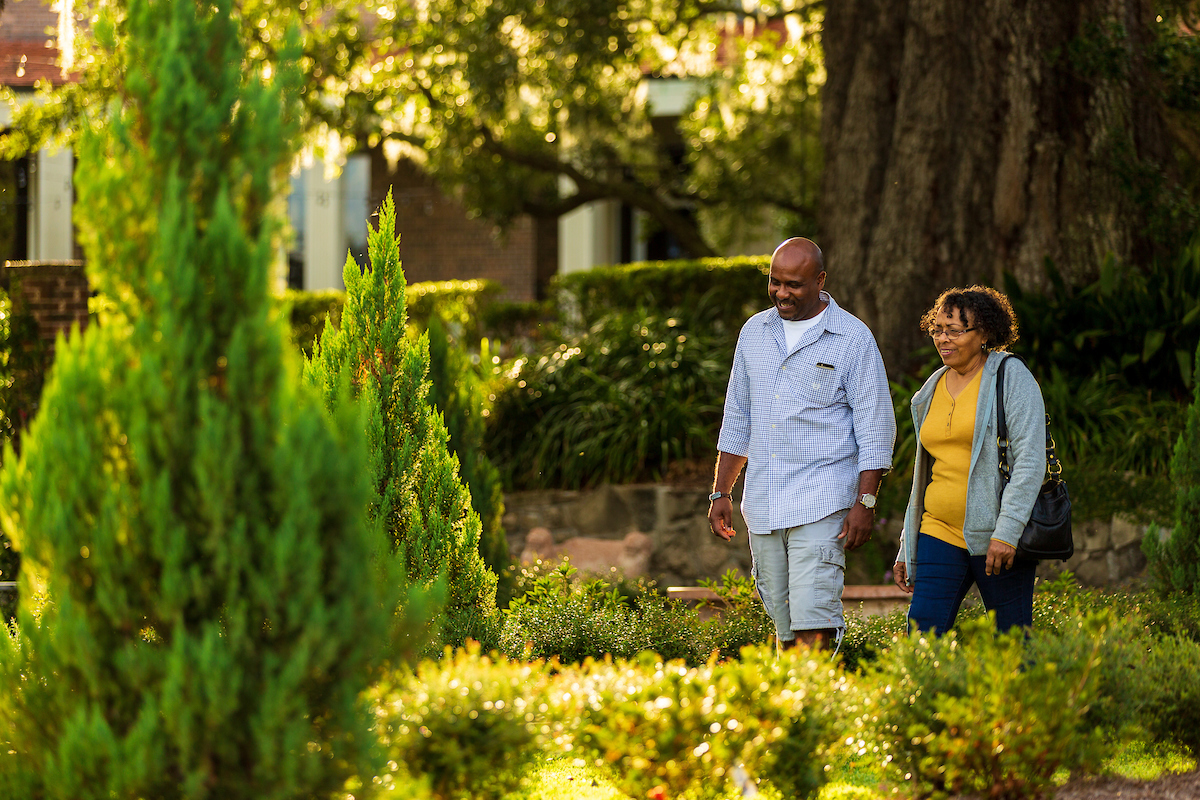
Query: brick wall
{"x": 439, "y": 242}
{"x": 54, "y": 292}
{"x": 28, "y": 29}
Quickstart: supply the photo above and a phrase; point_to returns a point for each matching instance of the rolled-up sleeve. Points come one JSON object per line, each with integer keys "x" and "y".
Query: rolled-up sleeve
{"x": 735, "y": 425}
{"x": 871, "y": 405}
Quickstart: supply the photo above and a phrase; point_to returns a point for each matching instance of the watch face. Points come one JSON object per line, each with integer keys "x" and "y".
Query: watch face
{"x": 715, "y": 495}
{"x": 867, "y": 500}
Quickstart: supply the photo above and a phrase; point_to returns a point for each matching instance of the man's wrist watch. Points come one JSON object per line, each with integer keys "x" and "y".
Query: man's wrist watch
{"x": 718, "y": 495}
{"x": 867, "y": 500}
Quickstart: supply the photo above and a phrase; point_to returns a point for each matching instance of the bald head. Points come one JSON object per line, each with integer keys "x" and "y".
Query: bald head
{"x": 800, "y": 248}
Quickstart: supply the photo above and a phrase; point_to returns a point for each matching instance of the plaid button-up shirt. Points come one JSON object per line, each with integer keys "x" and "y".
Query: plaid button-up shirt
{"x": 808, "y": 420}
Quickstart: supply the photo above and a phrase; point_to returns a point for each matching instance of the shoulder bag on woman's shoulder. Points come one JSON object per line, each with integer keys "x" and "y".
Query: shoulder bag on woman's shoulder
{"x": 1047, "y": 535}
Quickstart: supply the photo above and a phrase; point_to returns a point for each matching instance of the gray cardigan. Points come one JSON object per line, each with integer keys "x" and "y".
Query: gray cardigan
{"x": 987, "y": 515}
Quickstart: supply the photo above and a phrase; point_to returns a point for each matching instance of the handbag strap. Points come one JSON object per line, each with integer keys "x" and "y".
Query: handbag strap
{"x": 1053, "y": 465}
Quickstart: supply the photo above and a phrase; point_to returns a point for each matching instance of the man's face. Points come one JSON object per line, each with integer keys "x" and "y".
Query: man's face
{"x": 795, "y": 285}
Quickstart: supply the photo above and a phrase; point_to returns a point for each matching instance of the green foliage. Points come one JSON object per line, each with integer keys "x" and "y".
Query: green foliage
{"x": 457, "y": 390}
{"x": 558, "y": 614}
{"x": 199, "y": 613}
{"x": 506, "y": 103}
{"x": 972, "y": 712}
{"x": 1114, "y": 359}
{"x": 722, "y": 292}
{"x": 22, "y": 371}
{"x": 465, "y": 306}
{"x": 617, "y": 404}
{"x": 420, "y": 502}
{"x": 687, "y": 729}
{"x": 1174, "y": 564}
{"x": 308, "y": 312}
{"x": 1139, "y": 327}
{"x": 869, "y": 636}
{"x": 331, "y": 46}
{"x": 467, "y": 725}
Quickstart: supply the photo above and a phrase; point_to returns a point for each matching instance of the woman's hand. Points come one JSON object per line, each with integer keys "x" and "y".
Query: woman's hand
{"x": 999, "y": 556}
{"x": 900, "y": 576}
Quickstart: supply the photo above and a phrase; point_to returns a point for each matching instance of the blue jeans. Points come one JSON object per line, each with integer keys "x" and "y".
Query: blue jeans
{"x": 944, "y": 574}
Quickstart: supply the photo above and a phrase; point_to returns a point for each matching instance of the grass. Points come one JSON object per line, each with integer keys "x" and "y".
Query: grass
{"x": 565, "y": 777}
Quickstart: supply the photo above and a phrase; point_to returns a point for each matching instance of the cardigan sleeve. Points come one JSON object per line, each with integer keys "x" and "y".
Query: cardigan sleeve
{"x": 1025, "y": 415}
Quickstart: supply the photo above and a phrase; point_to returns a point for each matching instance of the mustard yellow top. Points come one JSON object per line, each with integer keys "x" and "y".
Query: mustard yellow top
{"x": 946, "y": 435}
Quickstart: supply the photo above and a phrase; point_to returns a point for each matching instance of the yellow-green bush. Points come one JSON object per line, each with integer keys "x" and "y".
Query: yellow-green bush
{"x": 663, "y": 724}
{"x": 467, "y": 726}
{"x": 973, "y": 712}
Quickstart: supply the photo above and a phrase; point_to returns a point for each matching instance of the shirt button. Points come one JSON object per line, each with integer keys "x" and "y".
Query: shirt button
{"x": 772, "y": 455}
{"x": 784, "y": 367}
{"x": 776, "y": 397}
{"x": 774, "y": 426}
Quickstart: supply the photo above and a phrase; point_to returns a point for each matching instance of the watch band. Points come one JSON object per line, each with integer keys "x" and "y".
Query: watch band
{"x": 717, "y": 495}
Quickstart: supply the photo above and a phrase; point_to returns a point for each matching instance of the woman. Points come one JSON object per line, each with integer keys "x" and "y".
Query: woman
{"x": 962, "y": 523}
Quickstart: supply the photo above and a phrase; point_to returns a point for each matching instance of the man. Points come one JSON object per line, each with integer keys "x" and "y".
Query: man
{"x": 808, "y": 410}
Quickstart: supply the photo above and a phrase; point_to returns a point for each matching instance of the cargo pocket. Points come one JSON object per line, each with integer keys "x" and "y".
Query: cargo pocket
{"x": 831, "y": 580}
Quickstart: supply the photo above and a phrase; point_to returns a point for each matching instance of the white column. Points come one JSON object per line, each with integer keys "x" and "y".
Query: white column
{"x": 589, "y": 236}
{"x": 324, "y": 238}
{"x": 51, "y": 236}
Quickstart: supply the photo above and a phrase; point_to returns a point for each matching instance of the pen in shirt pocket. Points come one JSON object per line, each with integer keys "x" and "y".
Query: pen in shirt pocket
{"x": 825, "y": 366}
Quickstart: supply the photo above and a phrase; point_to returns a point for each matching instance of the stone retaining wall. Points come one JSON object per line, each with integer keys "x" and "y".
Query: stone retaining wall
{"x": 685, "y": 551}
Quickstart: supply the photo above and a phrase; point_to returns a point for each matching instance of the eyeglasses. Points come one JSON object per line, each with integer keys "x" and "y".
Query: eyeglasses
{"x": 950, "y": 333}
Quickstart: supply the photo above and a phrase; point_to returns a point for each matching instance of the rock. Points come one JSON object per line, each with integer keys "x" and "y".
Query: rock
{"x": 631, "y": 555}
{"x": 1125, "y": 531}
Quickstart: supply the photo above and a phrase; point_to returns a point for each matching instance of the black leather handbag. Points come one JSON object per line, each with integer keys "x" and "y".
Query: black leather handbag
{"x": 1047, "y": 534}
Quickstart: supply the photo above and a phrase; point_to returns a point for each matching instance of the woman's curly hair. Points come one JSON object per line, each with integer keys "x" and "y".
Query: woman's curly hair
{"x": 990, "y": 309}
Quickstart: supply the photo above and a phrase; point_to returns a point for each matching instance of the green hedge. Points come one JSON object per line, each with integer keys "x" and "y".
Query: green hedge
{"x": 461, "y": 305}
{"x": 731, "y": 289}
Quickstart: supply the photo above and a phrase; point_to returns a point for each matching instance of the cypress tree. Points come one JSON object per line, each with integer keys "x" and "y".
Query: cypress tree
{"x": 456, "y": 390}
{"x": 420, "y": 500}
{"x": 199, "y": 612}
{"x": 1174, "y": 563}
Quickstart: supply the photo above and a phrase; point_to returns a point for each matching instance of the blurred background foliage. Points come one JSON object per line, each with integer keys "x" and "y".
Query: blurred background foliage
{"x": 621, "y": 376}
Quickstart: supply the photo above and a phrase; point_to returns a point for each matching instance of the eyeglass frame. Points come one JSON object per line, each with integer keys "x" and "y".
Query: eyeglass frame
{"x": 933, "y": 332}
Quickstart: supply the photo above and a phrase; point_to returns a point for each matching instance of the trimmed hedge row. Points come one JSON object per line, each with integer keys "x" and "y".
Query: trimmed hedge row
{"x": 731, "y": 289}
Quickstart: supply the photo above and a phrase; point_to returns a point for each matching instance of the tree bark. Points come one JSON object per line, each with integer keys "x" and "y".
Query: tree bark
{"x": 966, "y": 139}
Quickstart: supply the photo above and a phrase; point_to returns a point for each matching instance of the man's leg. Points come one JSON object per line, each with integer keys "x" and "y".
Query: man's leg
{"x": 768, "y": 552}
{"x": 816, "y": 577}
{"x": 814, "y": 639}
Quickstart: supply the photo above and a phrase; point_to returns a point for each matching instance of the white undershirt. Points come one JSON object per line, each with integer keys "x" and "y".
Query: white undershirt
{"x": 793, "y": 329}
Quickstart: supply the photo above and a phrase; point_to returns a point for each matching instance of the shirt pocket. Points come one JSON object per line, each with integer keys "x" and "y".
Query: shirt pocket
{"x": 815, "y": 387}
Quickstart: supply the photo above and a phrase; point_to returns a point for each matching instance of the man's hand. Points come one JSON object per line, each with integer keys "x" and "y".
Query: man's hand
{"x": 720, "y": 518}
{"x": 856, "y": 529}
{"x": 999, "y": 556}
{"x": 900, "y": 576}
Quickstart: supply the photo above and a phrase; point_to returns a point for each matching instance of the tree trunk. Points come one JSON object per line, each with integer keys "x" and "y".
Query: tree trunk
{"x": 964, "y": 139}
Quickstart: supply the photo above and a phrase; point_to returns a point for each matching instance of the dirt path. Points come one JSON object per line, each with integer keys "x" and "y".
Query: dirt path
{"x": 1173, "y": 787}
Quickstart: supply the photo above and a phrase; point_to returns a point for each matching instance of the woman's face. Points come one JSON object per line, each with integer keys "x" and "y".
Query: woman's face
{"x": 959, "y": 353}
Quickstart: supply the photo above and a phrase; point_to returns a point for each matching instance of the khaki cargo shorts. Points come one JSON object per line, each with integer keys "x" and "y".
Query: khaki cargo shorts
{"x": 800, "y": 573}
